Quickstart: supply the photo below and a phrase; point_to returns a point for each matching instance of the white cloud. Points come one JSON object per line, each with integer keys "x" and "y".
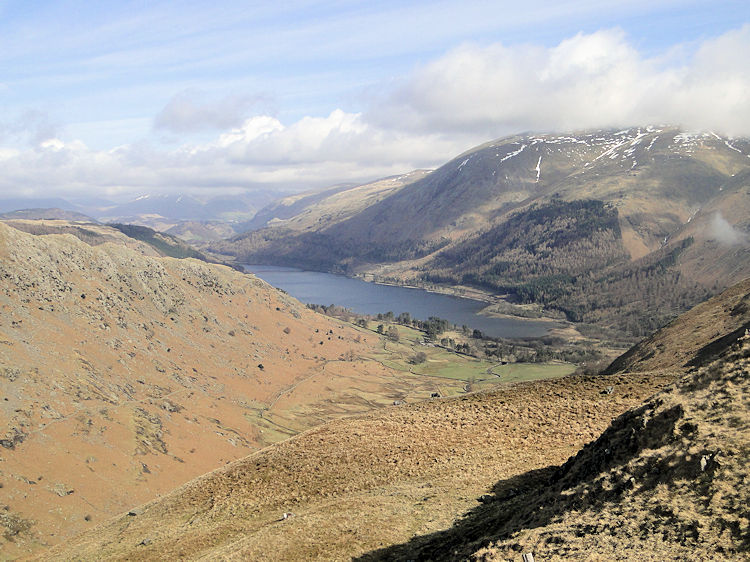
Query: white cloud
{"x": 722, "y": 231}
{"x": 586, "y": 81}
{"x": 313, "y": 152}
{"x": 469, "y": 95}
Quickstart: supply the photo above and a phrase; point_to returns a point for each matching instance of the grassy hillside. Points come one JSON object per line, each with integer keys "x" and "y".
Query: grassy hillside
{"x": 666, "y": 480}
{"x": 485, "y": 475}
{"x": 121, "y": 366}
{"x": 357, "y": 484}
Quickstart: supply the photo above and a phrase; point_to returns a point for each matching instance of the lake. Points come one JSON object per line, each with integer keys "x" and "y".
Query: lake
{"x": 312, "y": 287}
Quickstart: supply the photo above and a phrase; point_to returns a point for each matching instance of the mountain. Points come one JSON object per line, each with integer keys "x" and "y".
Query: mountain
{"x": 124, "y": 374}
{"x": 579, "y": 467}
{"x": 40, "y": 214}
{"x": 159, "y": 211}
{"x": 16, "y": 203}
{"x": 201, "y": 232}
{"x": 181, "y": 207}
{"x": 621, "y": 229}
{"x": 93, "y": 233}
{"x": 284, "y": 220}
{"x": 322, "y": 208}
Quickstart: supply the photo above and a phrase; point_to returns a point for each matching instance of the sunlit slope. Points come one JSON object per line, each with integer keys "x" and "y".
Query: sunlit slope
{"x": 665, "y": 481}
{"x": 484, "y": 474}
{"x": 357, "y": 484}
{"x": 123, "y": 375}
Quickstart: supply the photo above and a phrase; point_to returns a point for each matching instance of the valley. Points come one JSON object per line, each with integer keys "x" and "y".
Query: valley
{"x": 239, "y": 422}
{"x": 620, "y": 230}
{"x": 121, "y": 366}
{"x": 570, "y": 467}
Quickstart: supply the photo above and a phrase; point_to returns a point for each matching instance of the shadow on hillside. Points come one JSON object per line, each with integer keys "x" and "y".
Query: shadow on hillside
{"x": 535, "y": 498}
{"x": 494, "y": 518}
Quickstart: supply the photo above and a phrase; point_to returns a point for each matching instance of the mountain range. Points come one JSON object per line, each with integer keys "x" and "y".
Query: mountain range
{"x": 226, "y": 213}
{"x": 621, "y": 229}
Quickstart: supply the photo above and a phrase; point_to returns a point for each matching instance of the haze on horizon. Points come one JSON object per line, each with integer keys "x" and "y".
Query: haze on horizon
{"x": 117, "y": 100}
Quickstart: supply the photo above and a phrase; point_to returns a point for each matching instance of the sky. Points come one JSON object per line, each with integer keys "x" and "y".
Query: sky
{"x": 119, "y": 99}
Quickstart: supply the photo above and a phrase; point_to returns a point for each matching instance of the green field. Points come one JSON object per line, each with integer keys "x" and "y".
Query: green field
{"x": 446, "y": 364}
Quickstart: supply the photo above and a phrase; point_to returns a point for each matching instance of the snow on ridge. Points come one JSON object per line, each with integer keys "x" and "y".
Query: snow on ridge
{"x": 512, "y": 154}
{"x": 729, "y": 145}
{"x": 686, "y": 138}
{"x": 653, "y": 140}
{"x": 638, "y": 138}
{"x": 611, "y": 151}
{"x": 726, "y": 142}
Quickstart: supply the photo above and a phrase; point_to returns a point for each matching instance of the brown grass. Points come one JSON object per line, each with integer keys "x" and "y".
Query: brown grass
{"x": 357, "y": 484}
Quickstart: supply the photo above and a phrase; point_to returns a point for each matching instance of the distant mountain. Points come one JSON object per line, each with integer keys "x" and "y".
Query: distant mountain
{"x": 158, "y": 211}
{"x": 201, "y": 232}
{"x": 39, "y": 214}
{"x": 176, "y": 207}
{"x": 322, "y": 208}
{"x": 18, "y": 203}
{"x": 618, "y": 228}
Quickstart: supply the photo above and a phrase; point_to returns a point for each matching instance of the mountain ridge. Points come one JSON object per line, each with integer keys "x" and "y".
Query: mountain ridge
{"x": 676, "y": 193}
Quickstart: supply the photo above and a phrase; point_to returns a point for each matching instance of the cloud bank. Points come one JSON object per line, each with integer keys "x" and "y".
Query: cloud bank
{"x": 469, "y": 95}
{"x": 586, "y": 81}
{"x": 187, "y": 113}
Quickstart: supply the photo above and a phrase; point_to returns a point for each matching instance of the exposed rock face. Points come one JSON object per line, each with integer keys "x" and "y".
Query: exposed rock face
{"x": 123, "y": 375}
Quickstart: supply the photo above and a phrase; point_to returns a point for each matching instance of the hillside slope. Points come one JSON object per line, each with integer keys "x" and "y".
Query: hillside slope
{"x": 694, "y": 338}
{"x": 123, "y": 375}
{"x": 356, "y": 484}
{"x": 320, "y": 209}
{"x": 666, "y": 480}
{"x": 309, "y": 212}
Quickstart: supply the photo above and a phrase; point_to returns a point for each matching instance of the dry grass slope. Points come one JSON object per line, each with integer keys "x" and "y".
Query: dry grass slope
{"x": 666, "y": 481}
{"x": 123, "y": 375}
{"x": 358, "y": 484}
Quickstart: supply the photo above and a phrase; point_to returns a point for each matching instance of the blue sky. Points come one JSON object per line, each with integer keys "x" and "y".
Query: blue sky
{"x": 123, "y": 98}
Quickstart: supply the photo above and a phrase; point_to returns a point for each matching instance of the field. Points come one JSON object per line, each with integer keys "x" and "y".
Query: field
{"x": 447, "y": 368}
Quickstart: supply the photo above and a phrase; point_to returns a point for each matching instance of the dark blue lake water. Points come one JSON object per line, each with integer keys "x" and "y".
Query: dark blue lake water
{"x": 312, "y": 287}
